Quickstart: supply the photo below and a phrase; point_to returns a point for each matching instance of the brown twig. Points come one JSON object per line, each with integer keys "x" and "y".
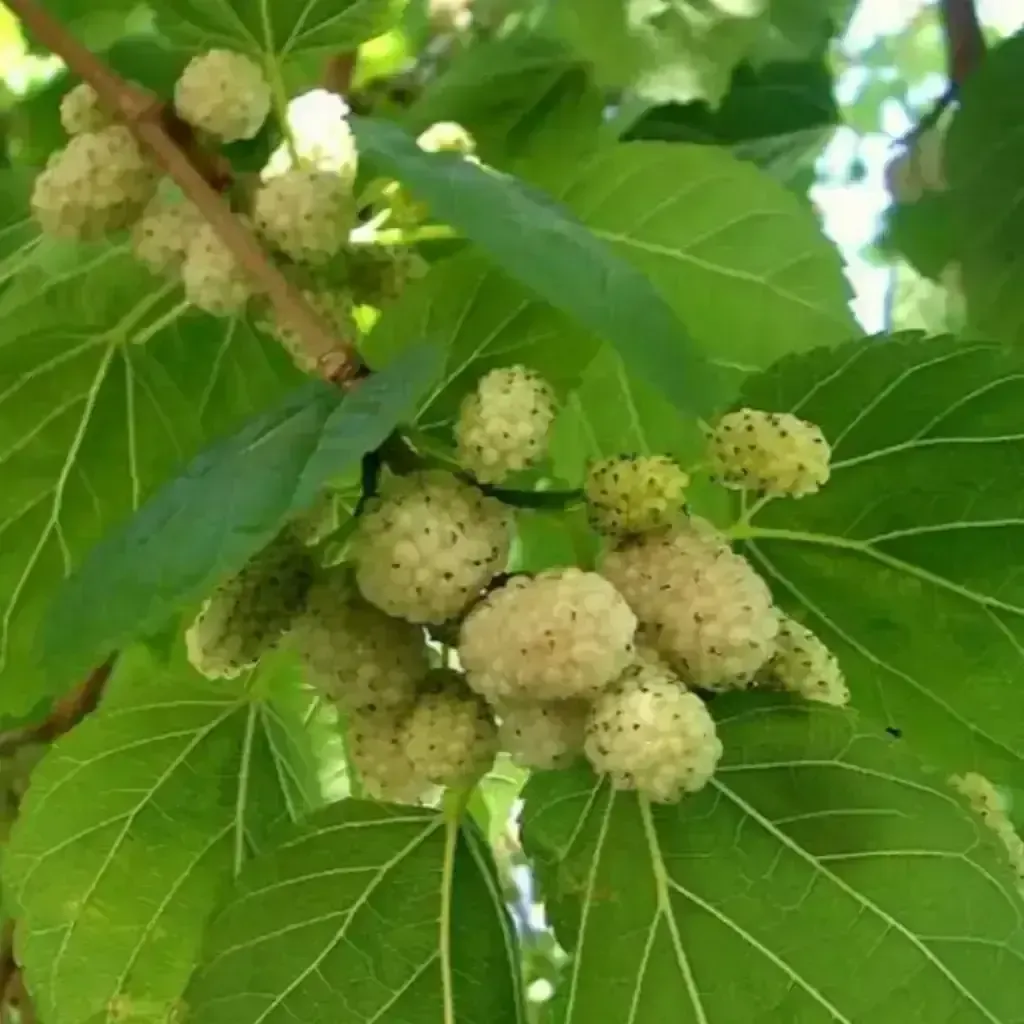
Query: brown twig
{"x": 338, "y": 73}
{"x": 965, "y": 43}
{"x": 335, "y": 358}
{"x": 66, "y": 713}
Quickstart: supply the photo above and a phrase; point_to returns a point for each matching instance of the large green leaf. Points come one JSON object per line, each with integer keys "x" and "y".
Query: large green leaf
{"x": 368, "y": 913}
{"x": 277, "y": 31}
{"x": 904, "y": 562}
{"x": 984, "y": 155}
{"x": 485, "y": 320}
{"x": 534, "y": 240}
{"x": 742, "y": 260}
{"x": 225, "y": 506}
{"x": 132, "y": 827}
{"x": 821, "y": 877}
{"x": 107, "y": 383}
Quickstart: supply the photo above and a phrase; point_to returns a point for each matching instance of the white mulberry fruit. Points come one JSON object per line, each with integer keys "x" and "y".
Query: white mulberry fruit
{"x": 428, "y": 545}
{"x": 250, "y": 613}
{"x": 634, "y": 493}
{"x": 213, "y": 279}
{"x": 802, "y": 664}
{"x": 99, "y": 183}
{"x": 306, "y": 214}
{"x": 81, "y": 111}
{"x": 162, "y": 235}
{"x": 503, "y": 425}
{"x": 321, "y": 138}
{"x": 776, "y": 453}
{"x": 450, "y": 735}
{"x": 994, "y": 810}
{"x": 360, "y": 656}
{"x": 700, "y": 605}
{"x": 223, "y": 93}
{"x": 446, "y": 137}
{"x": 564, "y": 634}
{"x": 375, "y": 746}
{"x": 334, "y": 306}
{"x": 648, "y": 734}
{"x": 543, "y": 736}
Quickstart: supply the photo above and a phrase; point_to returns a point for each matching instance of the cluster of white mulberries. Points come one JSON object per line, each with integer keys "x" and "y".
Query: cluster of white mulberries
{"x": 772, "y": 452}
{"x": 503, "y": 425}
{"x": 98, "y": 184}
{"x": 305, "y": 213}
{"x": 359, "y": 656}
{"x": 634, "y": 493}
{"x": 428, "y": 545}
{"x": 251, "y": 612}
{"x": 802, "y": 664}
{"x": 563, "y": 634}
{"x": 223, "y": 93}
{"x": 701, "y": 605}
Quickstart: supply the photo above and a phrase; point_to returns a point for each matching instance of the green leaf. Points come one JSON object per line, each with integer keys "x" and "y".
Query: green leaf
{"x": 484, "y": 320}
{"x": 983, "y": 158}
{"x": 903, "y": 563}
{"x": 102, "y": 395}
{"x": 17, "y": 230}
{"x": 821, "y": 876}
{"x": 132, "y": 827}
{"x": 742, "y": 260}
{"x": 535, "y": 241}
{"x": 226, "y": 505}
{"x": 278, "y": 31}
{"x": 368, "y": 912}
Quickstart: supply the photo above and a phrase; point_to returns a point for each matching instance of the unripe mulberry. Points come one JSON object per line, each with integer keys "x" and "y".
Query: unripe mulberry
{"x": 701, "y": 605}
{"x": 446, "y": 137}
{"x": 450, "y": 735}
{"x": 99, "y": 183}
{"x": 803, "y": 664}
{"x": 376, "y": 275}
{"x": 776, "y": 453}
{"x": 634, "y": 493}
{"x": 249, "y": 613}
{"x": 543, "y": 736}
{"x": 356, "y": 653}
{"x": 375, "y": 746}
{"x": 213, "y": 279}
{"x": 428, "y": 545}
{"x": 334, "y": 306}
{"x": 564, "y": 634}
{"x": 306, "y": 214}
{"x": 503, "y": 425}
{"x": 223, "y": 93}
{"x": 163, "y": 233}
{"x": 648, "y": 734}
{"x": 81, "y": 111}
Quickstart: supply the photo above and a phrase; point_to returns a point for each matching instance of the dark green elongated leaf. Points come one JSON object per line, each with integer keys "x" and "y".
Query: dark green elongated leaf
{"x": 226, "y": 505}
{"x": 904, "y": 562}
{"x": 132, "y": 827}
{"x": 279, "y": 30}
{"x": 368, "y": 912}
{"x": 485, "y": 320}
{"x": 107, "y": 384}
{"x": 531, "y": 238}
{"x": 741, "y": 260}
{"x": 983, "y": 159}
{"x": 819, "y": 845}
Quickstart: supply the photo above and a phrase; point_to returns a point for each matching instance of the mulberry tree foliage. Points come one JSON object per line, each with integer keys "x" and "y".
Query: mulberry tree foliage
{"x": 462, "y": 558}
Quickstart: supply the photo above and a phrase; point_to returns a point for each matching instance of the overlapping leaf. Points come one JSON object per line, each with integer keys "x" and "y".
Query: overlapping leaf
{"x": 821, "y": 877}
{"x": 131, "y": 830}
{"x": 535, "y": 240}
{"x": 905, "y": 562}
{"x": 227, "y": 504}
{"x": 106, "y": 384}
{"x": 280, "y": 30}
{"x": 368, "y": 912}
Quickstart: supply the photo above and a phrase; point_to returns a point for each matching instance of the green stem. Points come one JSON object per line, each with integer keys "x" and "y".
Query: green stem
{"x": 279, "y": 97}
{"x": 453, "y": 808}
